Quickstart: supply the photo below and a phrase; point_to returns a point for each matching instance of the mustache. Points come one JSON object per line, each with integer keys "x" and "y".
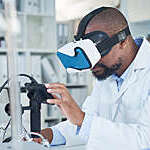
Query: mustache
{"x": 114, "y": 67}
{"x": 101, "y": 65}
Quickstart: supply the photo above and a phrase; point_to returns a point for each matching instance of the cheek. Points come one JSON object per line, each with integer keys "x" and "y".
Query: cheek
{"x": 107, "y": 60}
{"x": 111, "y": 58}
{"x": 115, "y": 51}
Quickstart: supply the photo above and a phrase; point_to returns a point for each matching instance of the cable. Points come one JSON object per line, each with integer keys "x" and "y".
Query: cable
{"x": 40, "y": 89}
{"x": 44, "y": 141}
{"x": 2, "y": 87}
{"x": 5, "y": 129}
{"x": 31, "y": 78}
{"x": 25, "y": 75}
{"x": 26, "y": 135}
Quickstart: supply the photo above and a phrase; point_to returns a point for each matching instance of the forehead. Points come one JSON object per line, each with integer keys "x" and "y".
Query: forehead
{"x": 98, "y": 27}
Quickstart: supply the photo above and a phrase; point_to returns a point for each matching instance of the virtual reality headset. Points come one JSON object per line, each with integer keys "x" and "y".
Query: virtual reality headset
{"x": 87, "y": 49}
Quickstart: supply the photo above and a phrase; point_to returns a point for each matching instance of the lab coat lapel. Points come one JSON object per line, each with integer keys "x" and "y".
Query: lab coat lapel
{"x": 138, "y": 64}
{"x": 126, "y": 84}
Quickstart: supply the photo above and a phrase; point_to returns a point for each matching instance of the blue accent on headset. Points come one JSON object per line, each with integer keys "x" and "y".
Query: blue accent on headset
{"x": 79, "y": 61}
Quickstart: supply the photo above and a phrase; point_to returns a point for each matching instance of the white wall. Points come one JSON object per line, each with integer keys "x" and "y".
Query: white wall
{"x": 138, "y": 10}
{"x": 138, "y": 15}
{"x": 140, "y": 28}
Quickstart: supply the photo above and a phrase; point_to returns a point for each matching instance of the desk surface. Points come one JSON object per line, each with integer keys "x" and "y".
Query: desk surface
{"x": 75, "y": 147}
{"x": 35, "y": 146}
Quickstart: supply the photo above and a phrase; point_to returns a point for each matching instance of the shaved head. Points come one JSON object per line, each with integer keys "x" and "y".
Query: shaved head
{"x": 110, "y": 20}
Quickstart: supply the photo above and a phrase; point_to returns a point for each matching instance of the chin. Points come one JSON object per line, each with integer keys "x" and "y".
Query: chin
{"x": 99, "y": 77}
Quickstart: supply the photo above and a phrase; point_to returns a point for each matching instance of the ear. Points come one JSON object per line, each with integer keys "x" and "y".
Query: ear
{"x": 123, "y": 44}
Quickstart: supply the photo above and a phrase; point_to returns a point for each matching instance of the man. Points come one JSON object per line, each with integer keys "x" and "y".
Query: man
{"x": 117, "y": 114}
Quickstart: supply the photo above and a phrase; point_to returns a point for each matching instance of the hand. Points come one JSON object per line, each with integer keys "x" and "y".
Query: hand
{"x": 66, "y": 103}
{"x": 47, "y": 134}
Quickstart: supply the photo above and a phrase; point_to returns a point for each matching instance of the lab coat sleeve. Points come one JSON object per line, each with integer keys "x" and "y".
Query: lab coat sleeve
{"x": 58, "y": 138}
{"x": 90, "y": 107}
{"x": 72, "y": 133}
{"x": 106, "y": 134}
{"x": 86, "y": 127}
{"x": 68, "y": 131}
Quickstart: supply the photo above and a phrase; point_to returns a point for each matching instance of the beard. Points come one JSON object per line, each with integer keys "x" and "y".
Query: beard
{"x": 107, "y": 71}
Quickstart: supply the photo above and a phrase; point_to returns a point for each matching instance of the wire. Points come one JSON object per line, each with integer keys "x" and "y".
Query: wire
{"x": 44, "y": 141}
{"x": 2, "y": 87}
{"x": 24, "y": 75}
{"x": 5, "y": 129}
{"x": 26, "y": 135}
{"x": 31, "y": 78}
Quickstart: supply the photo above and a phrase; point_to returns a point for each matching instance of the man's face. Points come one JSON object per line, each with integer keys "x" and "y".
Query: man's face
{"x": 101, "y": 71}
{"x": 108, "y": 64}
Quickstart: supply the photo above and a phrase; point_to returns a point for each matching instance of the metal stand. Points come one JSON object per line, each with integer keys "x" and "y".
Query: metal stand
{"x": 11, "y": 36}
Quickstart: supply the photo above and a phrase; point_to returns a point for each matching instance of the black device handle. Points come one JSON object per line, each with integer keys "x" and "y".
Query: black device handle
{"x": 35, "y": 116}
{"x": 37, "y": 94}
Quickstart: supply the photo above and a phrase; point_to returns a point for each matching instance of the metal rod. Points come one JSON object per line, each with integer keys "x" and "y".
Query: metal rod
{"x": 15, "y": 106}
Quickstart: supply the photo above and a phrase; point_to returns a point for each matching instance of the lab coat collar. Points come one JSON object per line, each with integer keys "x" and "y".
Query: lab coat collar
{"x": 143, "y": 52}
{"x": 138, "y": 64}
{"x": 141, "y": 61}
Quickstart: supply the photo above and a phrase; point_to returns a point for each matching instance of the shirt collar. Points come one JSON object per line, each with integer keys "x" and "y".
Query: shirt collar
{"x": 141, "y": 60}
{"x": 123, "y": 76}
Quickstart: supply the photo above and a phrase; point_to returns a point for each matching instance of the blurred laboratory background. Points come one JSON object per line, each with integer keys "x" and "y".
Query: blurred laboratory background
{"x": 46, "y": 25}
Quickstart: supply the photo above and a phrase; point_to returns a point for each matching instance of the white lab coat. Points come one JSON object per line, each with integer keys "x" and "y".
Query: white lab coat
{"x": 121, "y": 119}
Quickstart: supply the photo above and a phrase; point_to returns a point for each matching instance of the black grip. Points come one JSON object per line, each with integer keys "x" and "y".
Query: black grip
{"x": 38, "y": 92}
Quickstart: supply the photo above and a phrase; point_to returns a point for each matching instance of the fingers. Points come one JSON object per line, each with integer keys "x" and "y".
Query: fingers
{"x": 57, "y": 88}
{"x": 56, "y": 97}
{"x": 37, "y": 140}
{"x": 58, "y": 91}
{"x": 54, "y": 101}
{"x": 54, "y": 85}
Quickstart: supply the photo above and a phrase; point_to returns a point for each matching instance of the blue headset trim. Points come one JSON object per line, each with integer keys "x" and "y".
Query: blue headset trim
{"x": 79, "y": 61}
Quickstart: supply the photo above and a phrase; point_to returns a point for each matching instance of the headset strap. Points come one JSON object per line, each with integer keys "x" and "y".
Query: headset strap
{"x": 84, "y": 22}
{"x": 110, "y": 42}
